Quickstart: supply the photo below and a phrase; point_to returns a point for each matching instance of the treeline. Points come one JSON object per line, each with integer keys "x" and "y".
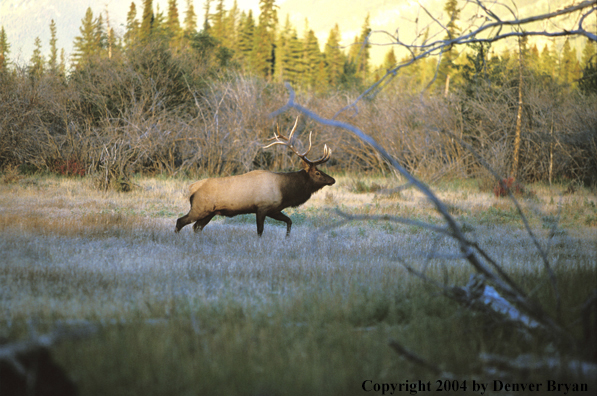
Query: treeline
{"x": 170, "y": 96}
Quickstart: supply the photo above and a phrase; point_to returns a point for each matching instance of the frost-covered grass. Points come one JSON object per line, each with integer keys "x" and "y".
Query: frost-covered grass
{"x": 225, "y": 312}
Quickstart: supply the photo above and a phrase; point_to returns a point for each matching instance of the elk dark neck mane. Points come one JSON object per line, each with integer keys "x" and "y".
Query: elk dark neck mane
{"x": 297, "y": 187}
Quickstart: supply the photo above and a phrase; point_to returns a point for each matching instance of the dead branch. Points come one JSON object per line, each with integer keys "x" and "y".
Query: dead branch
{"x": 476, "y": 257}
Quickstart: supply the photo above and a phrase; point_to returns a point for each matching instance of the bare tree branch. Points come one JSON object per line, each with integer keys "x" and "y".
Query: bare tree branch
{"x": 469, "y": 250}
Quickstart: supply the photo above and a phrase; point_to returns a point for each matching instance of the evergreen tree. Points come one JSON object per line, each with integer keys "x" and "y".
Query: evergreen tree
{"x": 292, "y": 59}
{"x": 36, "y": 64}
{"x": 363, "y": 59}
{"x": 349, "y": 74}
{"x": 588, "y": 80}
{"x": 312, "y": 59}
{"x": 53, "y": 61}
{"x": 281, "y": 50}
{"x": 132, "y": 26}
{"x": 334, "y": 58}
{"x": 206, "y": 17}
{"x": 101, "y": 36}
{"x": 62, "y": 64}
{"x": 475, "y": 70}
{"x": 356, "y": 68}
{"x": 547, "y": 61}
{"x": 389, "y": 61}
{"x": 159, "y": 26}
{"x": 246, "y": 36}
{"x": 569, "y": 70}
{"x": 447, "y": 66}
{"x": 264, "y": 40}
{"x": 533, "y": 58}
{"x": 147, "y": 20}
{"x": 589, "y": 53}
{"x": 173, "y": 23}
{"x": 218, "y": 28}
{"x": 4, "y": 50}
{"x": 190, "y": 20}
{"x": 86, "y": 46}
{"x": 231, "y": 28}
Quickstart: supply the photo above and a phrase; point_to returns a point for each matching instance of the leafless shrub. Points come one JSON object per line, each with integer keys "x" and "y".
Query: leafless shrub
{"x": 118, "y": 119}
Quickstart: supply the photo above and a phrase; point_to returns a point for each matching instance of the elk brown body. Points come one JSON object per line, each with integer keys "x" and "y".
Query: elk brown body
{"x": 261, "y": 192}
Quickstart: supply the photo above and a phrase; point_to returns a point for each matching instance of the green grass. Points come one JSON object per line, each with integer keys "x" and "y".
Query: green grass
{"x": 227, "y": 313}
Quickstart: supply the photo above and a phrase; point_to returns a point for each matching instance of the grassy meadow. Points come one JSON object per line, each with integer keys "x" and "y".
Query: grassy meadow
{"x": 227, "y": 313}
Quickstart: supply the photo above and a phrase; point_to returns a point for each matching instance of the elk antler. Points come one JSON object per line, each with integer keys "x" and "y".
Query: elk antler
{"x": 287, "y": 141}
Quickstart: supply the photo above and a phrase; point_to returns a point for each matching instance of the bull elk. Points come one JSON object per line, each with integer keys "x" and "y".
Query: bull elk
{"x": 261, "y": 192}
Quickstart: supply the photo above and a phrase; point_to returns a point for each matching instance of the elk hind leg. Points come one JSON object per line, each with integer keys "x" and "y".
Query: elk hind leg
{"x": 183, "y": 221}
{"x": 201, "y": 223}
{"x": 282, "y": 217}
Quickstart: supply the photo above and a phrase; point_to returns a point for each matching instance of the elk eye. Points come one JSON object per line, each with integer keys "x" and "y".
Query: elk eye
{"x": 317, "y": 173}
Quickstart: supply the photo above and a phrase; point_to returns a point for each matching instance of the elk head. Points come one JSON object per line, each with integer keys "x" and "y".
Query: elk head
{"x": 310, "y": 166}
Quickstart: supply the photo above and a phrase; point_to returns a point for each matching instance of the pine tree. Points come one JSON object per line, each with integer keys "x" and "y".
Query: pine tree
{"x": 62, "y": 64}
{"x": 589, "y": 53}
{"x": 447, "y": 67}
{"x": 281, "y": 50}
{"x": 4, "y": 50}
{"x": 547, "y": 62}
{"x": 101, "y": 36}
{"x": 218, "y": 28}
{"x": 264, "y": 40}
{"x": 294, "y": 63}
{"x": 588, "y": 81}
{"x": 190, "y": 20}
{"x": 389, "y": 61}
{"x": 363, "y": 59}
{"x": 173, "y": 23}
{"x": 356, "y": 68}
{"x": 533, "y": 58}
{"x": 289, "y": 62}
{"x": 159, "y": 26}
{"x": 246, "y": 36}
{"x": 569, "y": 70}
{"x": 172, "y": 26}
{"x": 206, "y": 16}
{"x": 36, "y": 64}
{"x": 334, "y": 58}
{"x": 86, "y": 46}
{"x": 312, "y": 58}
{"x": 53, "y": 61}
{"x": 147, "y": 20}
{"x": 349, "y": 74}
{"x": 132, "y": 26}
{"x": 231, "y": 28}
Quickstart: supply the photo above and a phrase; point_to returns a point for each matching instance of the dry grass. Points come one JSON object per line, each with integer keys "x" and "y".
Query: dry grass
{"x": 226, "y": 312}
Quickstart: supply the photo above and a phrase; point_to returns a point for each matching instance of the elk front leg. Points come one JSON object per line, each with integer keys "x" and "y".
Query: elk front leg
{"x": 282, "y": 217}
{"x": 260, "y": 217}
